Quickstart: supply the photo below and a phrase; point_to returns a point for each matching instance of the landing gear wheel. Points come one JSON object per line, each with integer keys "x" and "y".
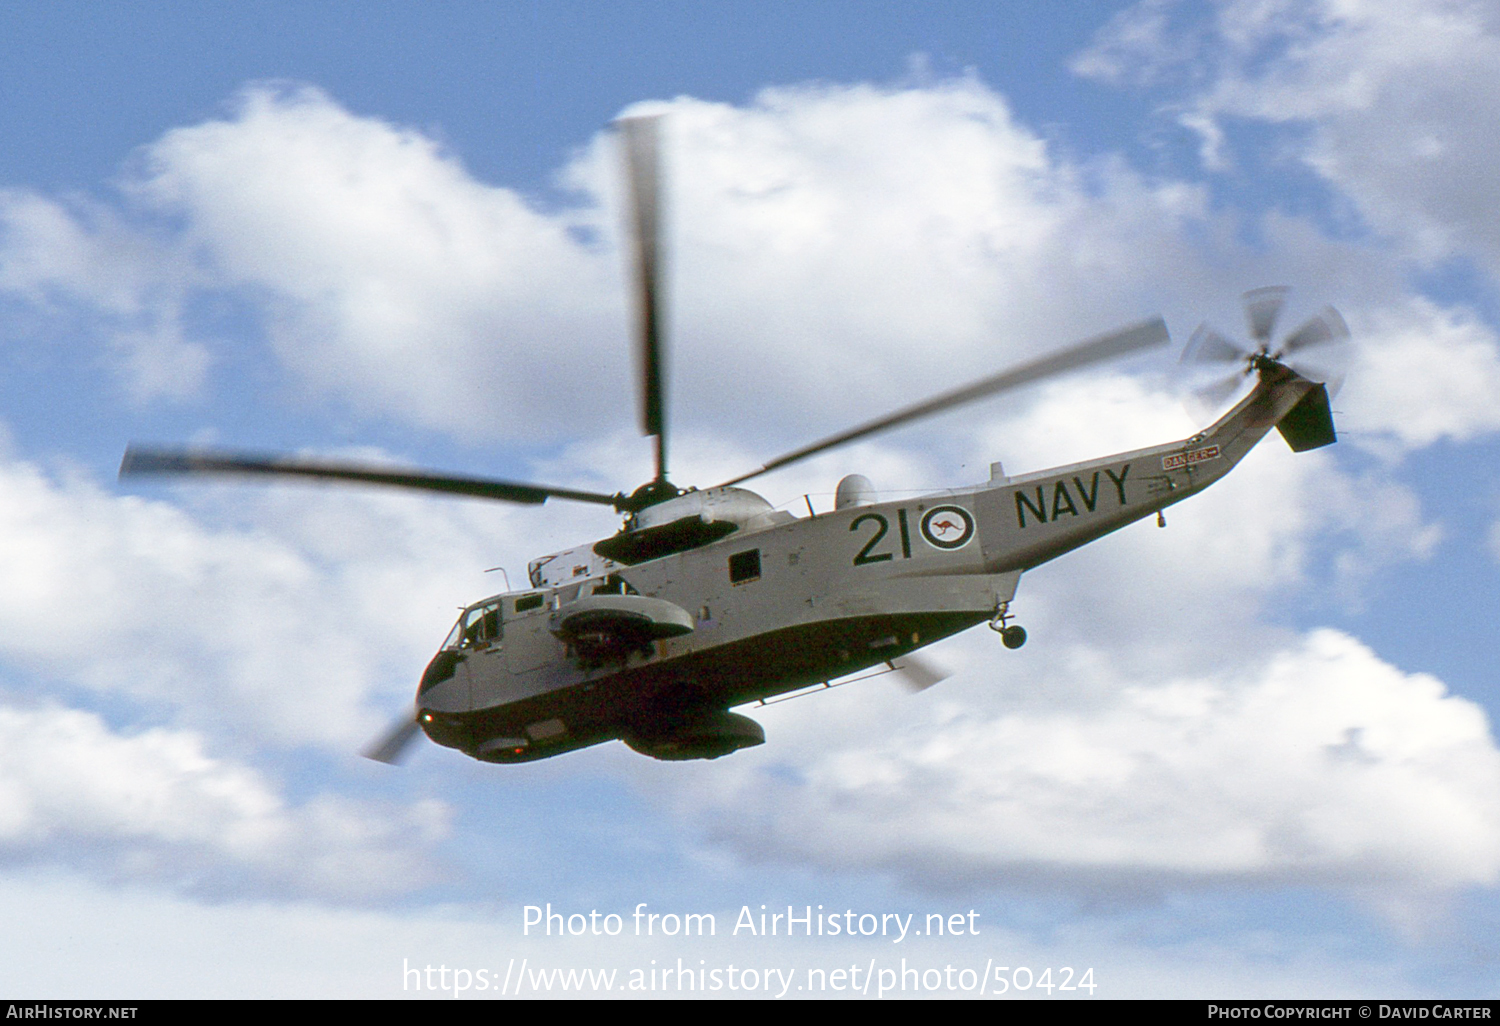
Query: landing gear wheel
{"x": 1013, "y": 635}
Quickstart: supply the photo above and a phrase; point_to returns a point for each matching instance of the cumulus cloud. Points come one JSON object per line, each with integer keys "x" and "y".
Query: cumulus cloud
{"x": 1396, "y": 101}
{"x": 65, "y": 258}
{"x": 281, "y": 613}
{"x": 156, "y": 806}
{"x": 893, "y": 239}
{"x": 393, "y": 277}
{"x": 1393, "y": 106}
{"x": 1423, "y": 373}
{"x": 898, "y": 241}
{"x": 1322, "y": 764}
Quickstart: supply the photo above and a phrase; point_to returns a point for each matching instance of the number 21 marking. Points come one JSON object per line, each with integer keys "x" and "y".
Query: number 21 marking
{"x": 882, "y": 528}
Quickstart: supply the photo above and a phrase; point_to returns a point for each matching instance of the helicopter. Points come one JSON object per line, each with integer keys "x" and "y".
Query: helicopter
{"x": 709, "y": 599}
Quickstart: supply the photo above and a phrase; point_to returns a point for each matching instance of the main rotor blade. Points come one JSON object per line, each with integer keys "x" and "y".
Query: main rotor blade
{"x": 1140, "y": 336}
{"x": 1262, "y": 307}
{"x": 140, "y": 461}
{"x": 643, "y": 181}
{"x": 393, "y": 744}
{"x": 918, "y": 674}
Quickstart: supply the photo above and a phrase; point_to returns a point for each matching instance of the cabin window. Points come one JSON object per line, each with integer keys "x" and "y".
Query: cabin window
{"x": 744, "y": 566}
{"x": 526, "y": 603}
{"x": 614, "y": 584}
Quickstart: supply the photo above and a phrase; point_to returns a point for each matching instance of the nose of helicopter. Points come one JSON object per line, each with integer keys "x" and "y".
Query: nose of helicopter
{"x": 445, "y": 729}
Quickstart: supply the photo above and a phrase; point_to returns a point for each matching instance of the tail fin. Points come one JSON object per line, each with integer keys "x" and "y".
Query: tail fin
{"x": 1309, "y": 424}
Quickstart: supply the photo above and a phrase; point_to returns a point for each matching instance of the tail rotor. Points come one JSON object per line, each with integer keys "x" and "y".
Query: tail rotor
{"x": 1220, "y": 367}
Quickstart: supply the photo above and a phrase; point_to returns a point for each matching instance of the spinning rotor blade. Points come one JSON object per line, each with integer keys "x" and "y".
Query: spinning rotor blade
{"x": 1213, "y": 396}
{"x": 1326, "y": 327}
{"x": 1262, "y": 307}
{"x": 643, "y": 180}
{"x": 394, "y": 743}
{"x": 1140, "y": 336}
{"x": 1205, "y": 357}
{"x": 1319, "y": 350}
{"x": 918, "y": 674}
{"x": 1207, "y": 346}
{"x": 140, "y": 461}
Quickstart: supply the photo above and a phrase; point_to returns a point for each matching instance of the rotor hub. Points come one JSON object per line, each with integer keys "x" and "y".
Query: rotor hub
{"x": 649, "y": 494}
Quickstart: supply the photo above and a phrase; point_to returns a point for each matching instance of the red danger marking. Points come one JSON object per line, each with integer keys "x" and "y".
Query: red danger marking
{"x": 1178, "y": 460}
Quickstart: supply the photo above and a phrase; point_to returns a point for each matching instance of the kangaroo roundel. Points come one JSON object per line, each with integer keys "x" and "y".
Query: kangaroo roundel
{"x": 947, "y": 527}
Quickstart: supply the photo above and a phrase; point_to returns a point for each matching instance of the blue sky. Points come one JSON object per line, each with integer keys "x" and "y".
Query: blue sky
{"x": 1252, "y": 754}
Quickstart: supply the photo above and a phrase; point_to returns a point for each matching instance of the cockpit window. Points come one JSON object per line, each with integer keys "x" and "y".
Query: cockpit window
{"x": 479, "y": 627}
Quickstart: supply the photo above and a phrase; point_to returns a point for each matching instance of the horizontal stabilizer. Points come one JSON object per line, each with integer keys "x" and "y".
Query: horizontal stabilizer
{"x": 1309, "y": 424}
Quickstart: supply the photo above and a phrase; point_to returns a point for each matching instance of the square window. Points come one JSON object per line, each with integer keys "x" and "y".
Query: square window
{"x": 744, "y": 566}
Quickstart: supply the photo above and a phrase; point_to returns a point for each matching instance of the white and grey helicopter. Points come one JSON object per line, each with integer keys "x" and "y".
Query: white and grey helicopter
{"x": 711, "y": 599}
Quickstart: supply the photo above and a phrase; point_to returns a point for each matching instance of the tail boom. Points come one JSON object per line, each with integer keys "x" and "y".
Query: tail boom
{"x": 1035, "y": 518}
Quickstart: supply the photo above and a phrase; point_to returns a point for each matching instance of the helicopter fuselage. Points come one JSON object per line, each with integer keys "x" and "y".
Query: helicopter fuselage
{"x": 657, "y": 652}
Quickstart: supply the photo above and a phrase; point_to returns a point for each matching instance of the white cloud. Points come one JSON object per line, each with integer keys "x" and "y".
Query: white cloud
{"x": 1394, "y": 105}
{"x": 896, "y": 241}
{"x": 1140, "y": 45}
{"x": 84, "y": 255}
{"x": 155, "y": 806}
{"x": 1422, "y": 373}
{"x": 1398, "y": 100}
{"x": 280, "y": 625}
{"x": 393, "y": 278}
{"x": 1320, "y": 765}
